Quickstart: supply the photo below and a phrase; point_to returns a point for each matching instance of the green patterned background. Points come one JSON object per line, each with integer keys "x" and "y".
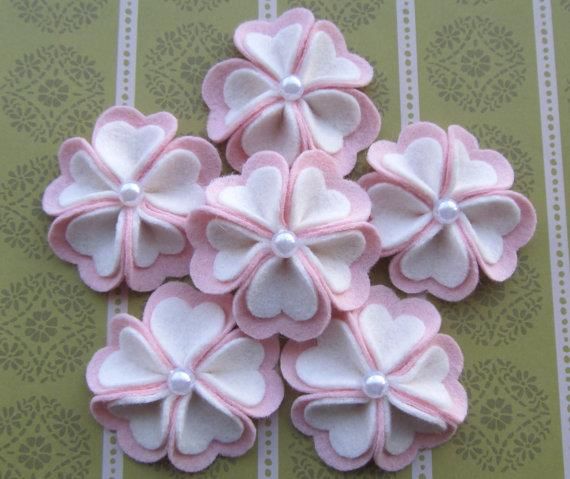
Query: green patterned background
{"x": 477, "y": 67}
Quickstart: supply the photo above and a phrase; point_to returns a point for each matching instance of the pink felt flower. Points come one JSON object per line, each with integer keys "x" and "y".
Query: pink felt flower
{"x": 295, "y": 92}
{"x": 293, "y": 243}
{"x": 183, "y": 382}
{"x": 380, "y": 383}
{"x": 121, "y": 202}
{"x": 444, "y": 208}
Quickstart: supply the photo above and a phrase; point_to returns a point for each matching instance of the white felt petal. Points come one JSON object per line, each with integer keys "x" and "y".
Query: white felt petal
{"x": 149, "y": 418}
{"x": 89, "y": 183}
{"x": 125, "y": 149}
{"x": 182, "y": 331}
{"x": 389, "y": 339}
{"x": 424, "y": 380}
{"x": 236, "y": 246}
{"x": 98, "y": 234}
{"x": 490, "y": 218}
{"x": 313, "y": 204}
{"x": 397, "y": 214}
{"x": 135, "y": 363}
{"x": 276, "y": 53}
{"x": 336, "y": 362}
{"x": 243, "y": 89}
{"x": 331, "y": 115}
{"x": 333, "y": 255}
{"x": 321, "y": 63}
{"x": 442, "y": 256}
{"x": 201, "y": 419}
{"x": 259, "y": 199}
{"x": 468, "y": 174}
{"x": 402, "y": 424}
{"x": 153, "y": 236}
{"x": 282, "y": 285}
{"x": 234, "y": 371}
{"x": 171, "y": 184}
{"x": 421, "y": 164}
{"x": 350, "y": 422}
{"x": 276, "y": 129}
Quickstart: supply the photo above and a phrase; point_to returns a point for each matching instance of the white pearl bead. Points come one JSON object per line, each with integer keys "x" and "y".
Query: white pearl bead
{"x": 180, "y": 381}
{"x": 130, "y": 194}
{"x": 291, "y": 88}
{"x": 446, "y": 211}
{"x": 284, "y": 243}
{"x": 375, "y": 385}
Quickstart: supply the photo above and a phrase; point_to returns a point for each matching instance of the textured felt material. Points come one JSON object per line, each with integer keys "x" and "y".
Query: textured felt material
{"x": 232, "y": 237}
{"x": 421, "y": 406}
{"x": 428, "y": 165}
{"x": 248, "y": 108}
{"x": 111, "y": 238}
{"x": 233, "y": 379}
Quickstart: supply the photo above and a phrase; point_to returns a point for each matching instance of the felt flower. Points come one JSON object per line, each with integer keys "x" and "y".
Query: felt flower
{"x": 443, "y": 207}
{"x": 183, "y": 382}
{"x": 293, "y": 243}
{"x": 295, "y": 92}
{"x": 380, "y": 383}
{"x": 121, "y": 202}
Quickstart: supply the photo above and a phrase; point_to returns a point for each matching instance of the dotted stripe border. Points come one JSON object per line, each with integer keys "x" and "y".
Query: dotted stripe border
{"x": 556, "y": 208}
{"x": 267, "y": 9}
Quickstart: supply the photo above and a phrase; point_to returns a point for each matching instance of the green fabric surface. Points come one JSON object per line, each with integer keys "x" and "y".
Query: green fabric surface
{"x": 477, "y": 68}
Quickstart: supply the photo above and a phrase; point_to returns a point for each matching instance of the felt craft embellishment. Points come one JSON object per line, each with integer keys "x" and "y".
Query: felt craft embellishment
{"x": 183, "y": 382}
{"x": 294, "y": 243}
{"x": 444, "y": 208}
{"x": 294, "y": 92}
{"x": 379, "y": 383}
{"x": 121, "y": 202}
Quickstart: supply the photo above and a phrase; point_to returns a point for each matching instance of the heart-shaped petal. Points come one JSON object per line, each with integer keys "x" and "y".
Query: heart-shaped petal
{"x": 282, "y": 286}
{"x": 350, "y": 422}
{"x": 313, "y": 203}
{"x": 184, "y": 332}
{"x": 98, "y": 234}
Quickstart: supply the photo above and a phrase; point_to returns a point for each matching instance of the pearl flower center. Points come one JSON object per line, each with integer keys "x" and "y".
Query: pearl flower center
{"x": 130, "y": 194}
{"x": 291, "y": 88}
{"x": 375, "y": 385}
{"x": 446, "y": 211}
{"x": 284, "y": 243}
{"x": 180, "y": 381}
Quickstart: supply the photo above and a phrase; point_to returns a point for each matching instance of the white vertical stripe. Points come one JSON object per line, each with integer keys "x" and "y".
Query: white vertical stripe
{"x": 555, "y": 207}
{"x": 117, "y": 301}
{"x": 410, "y": 113}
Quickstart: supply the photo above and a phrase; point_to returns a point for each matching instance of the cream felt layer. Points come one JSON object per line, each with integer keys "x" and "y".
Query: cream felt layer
{"x": 98, "y": 234}
{"x": 179, "y": 169}
{"x": 469, "y": 174}
{"x": 333, "y": 255}
{"x": 313, "y": 203}
{"x": 174, "y": 324}
{"x": 441, "y": 255}
{"x": 152, "y": 237}
{"x": 89, "y": 183}
{"x": 259, "y": 199}
{"x": 236, "y": 248}
{"x": 201, "y": 419}
{"x": 234, "y": 370}
{"x": 126, "y": 149}
{"x": 398, "y": 214}
{"x": 276, "y": 128}
{"x": 282, "y": 285}
{"x": 350, "y": 423}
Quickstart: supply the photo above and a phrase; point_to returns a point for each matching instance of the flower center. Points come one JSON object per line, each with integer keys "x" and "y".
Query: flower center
{"x": 291, "y": 88}
{"x": 284, "y": 243}
{"x": 375, "y": 384}
{"x": 130, "y": 194}
{"x": 446, "y": 211}
{"x": 180, "y": 381}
